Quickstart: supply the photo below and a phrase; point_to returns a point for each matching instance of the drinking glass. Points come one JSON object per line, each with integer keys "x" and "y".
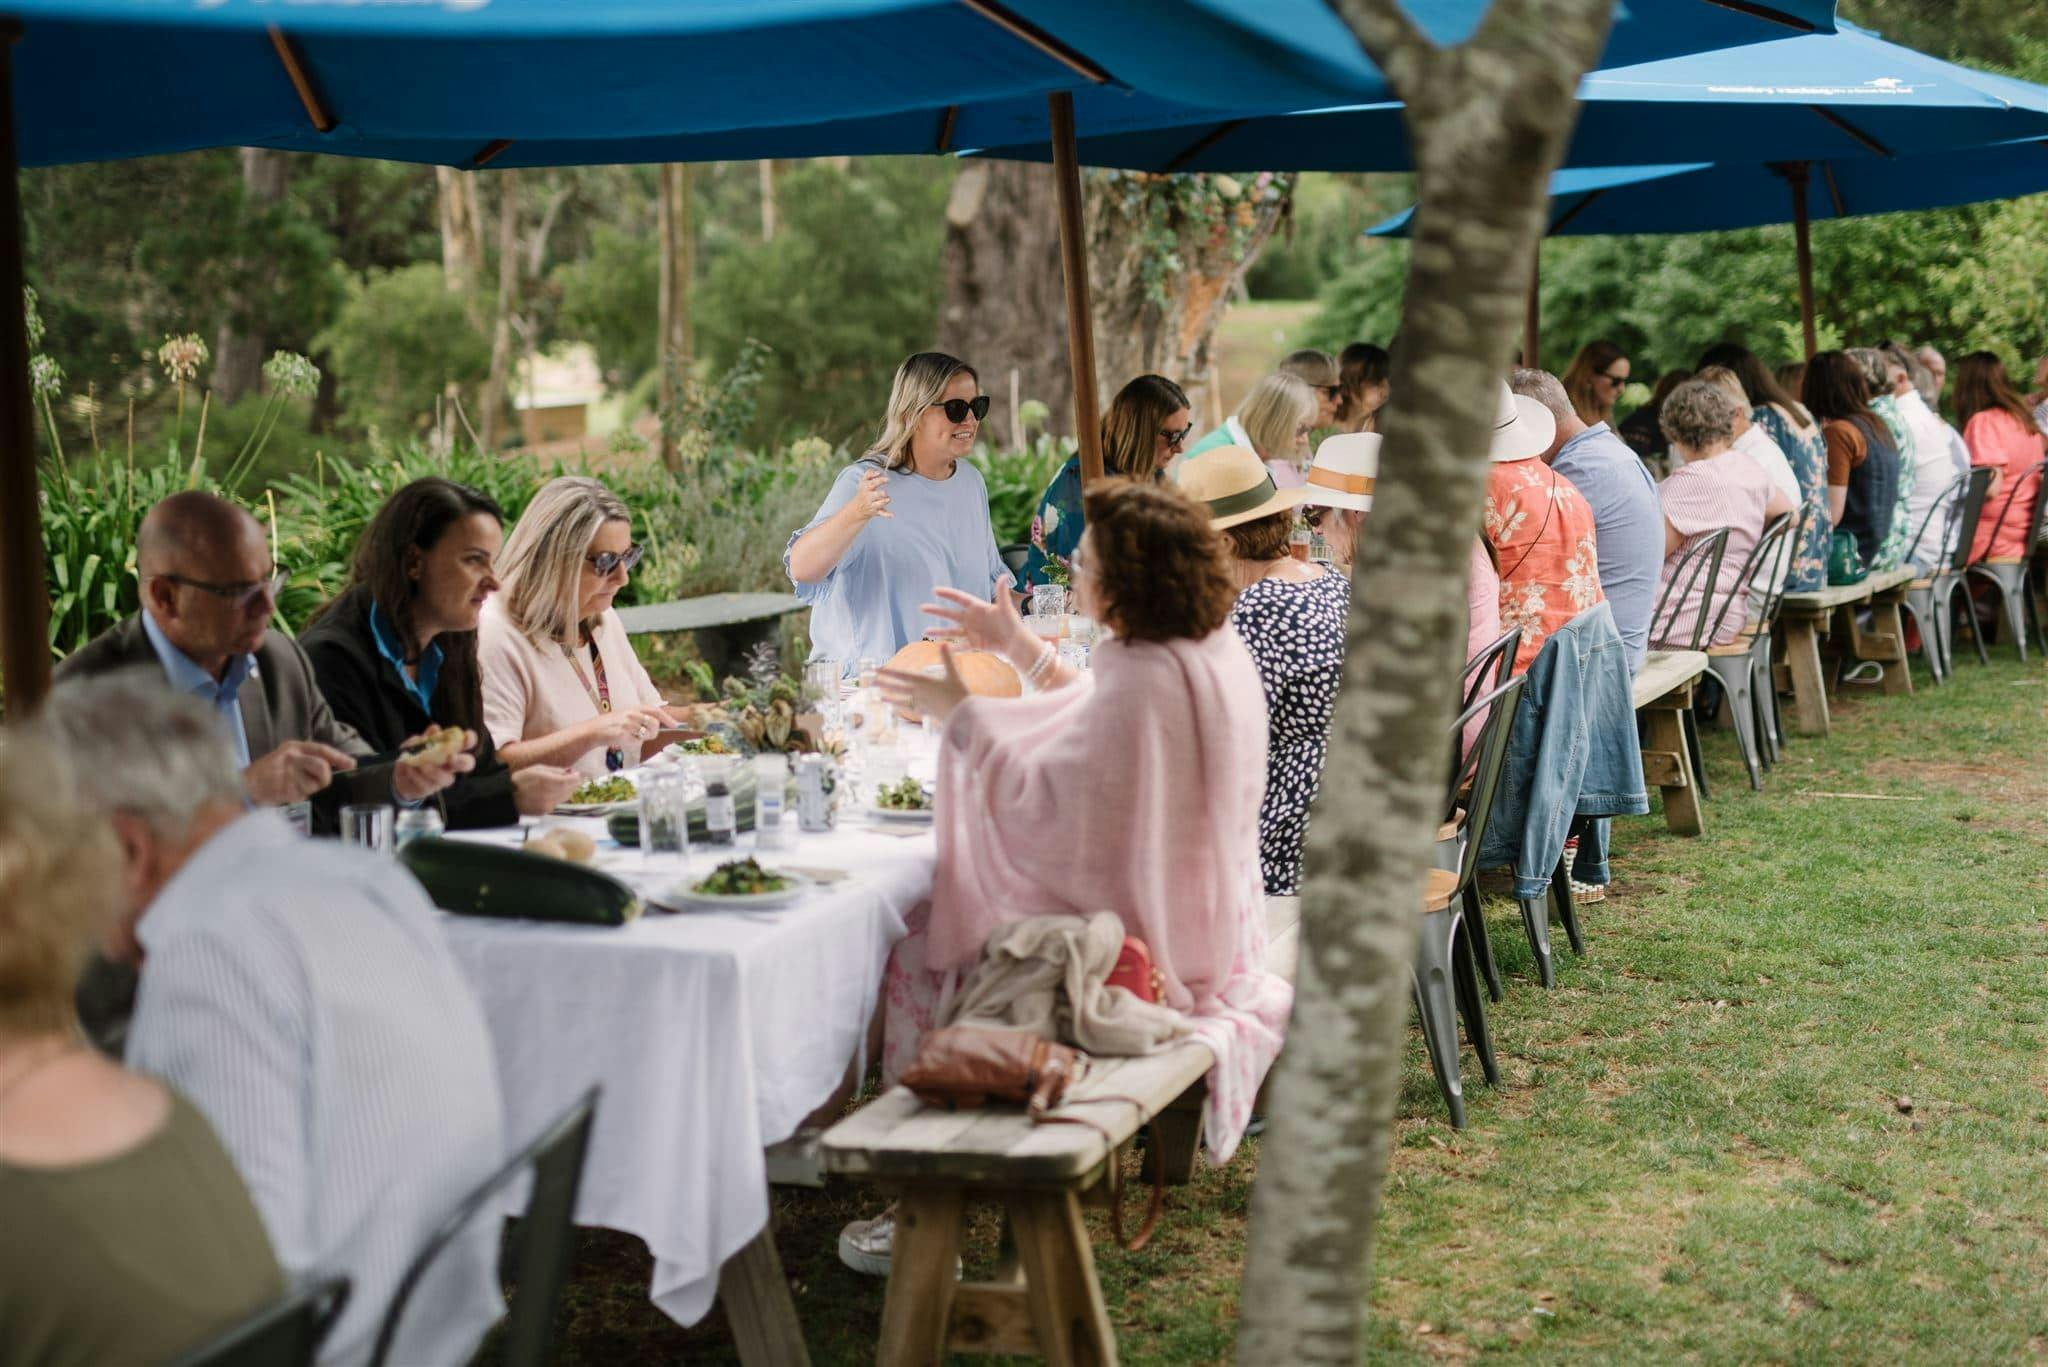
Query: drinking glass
{"x": 664, "y": 815}
{"x": 1048, "y": 600}
{"x": 822, "y": 677}
{"x": 367, "y": 824}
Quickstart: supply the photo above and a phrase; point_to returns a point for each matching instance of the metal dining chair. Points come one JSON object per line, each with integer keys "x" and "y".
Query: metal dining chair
{"x": 541, "y": 1245}
{"x": 1699, "y": 566}
{"x": 1487, "y": 670}
{"x": 287, "y": 1332}
{"x": 1930, "y": 599}
{"x": 1737, "y": 664}
{"x": 1446, "y": 981}
{"x": 2010, "y": 574}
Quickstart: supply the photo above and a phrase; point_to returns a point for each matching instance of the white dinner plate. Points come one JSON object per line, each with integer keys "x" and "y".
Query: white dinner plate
{"x": 598, "y": 808}
{"x": 685, "y": 895}
{"x": 901, "y": 816}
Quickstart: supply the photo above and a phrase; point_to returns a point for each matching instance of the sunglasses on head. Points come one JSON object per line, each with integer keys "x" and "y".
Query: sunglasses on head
{"x": 1174, "y": 436}
{"x": 958, "y": 409}
{"x": 604, "y": 562}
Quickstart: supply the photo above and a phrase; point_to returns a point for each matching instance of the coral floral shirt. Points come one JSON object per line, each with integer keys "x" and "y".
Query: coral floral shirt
{"x": 1541, "y": 528}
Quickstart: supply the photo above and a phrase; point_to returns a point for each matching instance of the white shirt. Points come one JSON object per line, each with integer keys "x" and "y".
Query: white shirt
{"x": 300, "y": 993}
{"x": 1933, "y": 472}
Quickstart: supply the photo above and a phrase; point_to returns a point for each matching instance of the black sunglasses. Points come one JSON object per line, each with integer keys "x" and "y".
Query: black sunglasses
{"x": 1334, "y": 391}
{"x": 958, "y": 409}
{"x": 1616, "y": 380}
{"x": 1174, "y": 436}
{"x": 604, "y": 562}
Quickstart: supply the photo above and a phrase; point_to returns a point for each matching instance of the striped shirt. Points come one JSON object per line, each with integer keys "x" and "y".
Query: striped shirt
{"x": 1701, "y": 497}
{"x": 300, "y": 994}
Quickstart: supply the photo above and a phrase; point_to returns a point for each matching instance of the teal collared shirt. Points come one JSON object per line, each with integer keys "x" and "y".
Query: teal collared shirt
{"x": 223, "y": 695}
{"x": 386, "y": 636}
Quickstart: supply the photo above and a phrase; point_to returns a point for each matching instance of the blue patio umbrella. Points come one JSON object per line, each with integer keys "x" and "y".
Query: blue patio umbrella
{"x": 1813, "y": 97}
{"x": 526, "y": 82}
{"x": 1698, "y": 197}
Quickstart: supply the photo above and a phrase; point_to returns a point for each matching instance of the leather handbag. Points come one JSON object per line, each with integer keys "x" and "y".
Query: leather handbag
{"x": 1845, "y": 560}
{"x": 967, "y": 1066}
{"x": 1135, "y": 973}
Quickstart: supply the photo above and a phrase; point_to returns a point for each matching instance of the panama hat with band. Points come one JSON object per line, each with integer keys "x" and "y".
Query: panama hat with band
{"x": 1345, "y": 467}
{"x": 1235, "y": 486}
{"x": 1522, "y": 427}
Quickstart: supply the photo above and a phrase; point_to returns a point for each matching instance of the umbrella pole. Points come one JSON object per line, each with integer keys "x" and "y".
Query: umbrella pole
{"x": 1796, "y": 177}
{"x": 1074, "y": 265}
{"x": 1532, "y": 321}
{"x": 24, "y": 606}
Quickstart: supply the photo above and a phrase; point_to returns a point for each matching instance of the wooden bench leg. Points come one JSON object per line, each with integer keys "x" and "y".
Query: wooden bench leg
{"x": 1809, "y": 688}
{"x": 1664, "y": 740}
{"x": 1888, "y": 639}
{"x": 1176, "y": 1140}
{"x": 758, "y": 1305}
{"x": 923, "y": 1274}
{"x": 1068, "y": 1316}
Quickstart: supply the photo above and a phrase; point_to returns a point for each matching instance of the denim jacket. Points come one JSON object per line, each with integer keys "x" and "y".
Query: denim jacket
{"x": 1572, "y": 750}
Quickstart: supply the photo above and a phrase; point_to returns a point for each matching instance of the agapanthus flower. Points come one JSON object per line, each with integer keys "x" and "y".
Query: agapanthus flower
{"x": 291, "y": 375}
{"x": 181, "y": 357}
{"x": 45, "y": 376}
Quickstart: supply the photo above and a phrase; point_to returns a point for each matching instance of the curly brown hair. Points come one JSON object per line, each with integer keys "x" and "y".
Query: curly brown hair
{"x": 1262, "y": 538}
{"x": 1161, "y": 572}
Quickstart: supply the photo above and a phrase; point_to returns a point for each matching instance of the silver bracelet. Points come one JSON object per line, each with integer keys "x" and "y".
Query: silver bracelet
{"x": 1041, "y": 666}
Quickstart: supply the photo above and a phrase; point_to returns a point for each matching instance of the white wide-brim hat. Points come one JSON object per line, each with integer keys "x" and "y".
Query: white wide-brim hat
{"x": 1522, "y": 427}
{"x": 1345, "y": 468}
{"x": 1234, "y": 486}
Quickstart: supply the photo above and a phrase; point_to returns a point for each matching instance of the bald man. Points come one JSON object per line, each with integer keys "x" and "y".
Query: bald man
{"x": 209, "y": 590}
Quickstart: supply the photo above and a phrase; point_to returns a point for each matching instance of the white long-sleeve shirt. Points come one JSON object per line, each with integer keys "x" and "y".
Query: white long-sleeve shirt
{"x": 301, "y": 995}
{"x": 1933, "y": 472}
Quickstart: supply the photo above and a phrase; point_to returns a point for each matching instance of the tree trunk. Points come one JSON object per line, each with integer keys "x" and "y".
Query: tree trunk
{"x": 1488, "y": 121}
{"x": 489, "y": 422}
{"x": 239, "y": 347}
{"x": 1003, "y": 295}
{"x": 768, "y": 201}
{"x": 462, "y": 231}
{"x": 676, "y": 352}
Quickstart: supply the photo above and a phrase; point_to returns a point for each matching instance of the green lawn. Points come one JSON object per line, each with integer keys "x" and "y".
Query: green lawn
{"x": 1790, "y": 1107}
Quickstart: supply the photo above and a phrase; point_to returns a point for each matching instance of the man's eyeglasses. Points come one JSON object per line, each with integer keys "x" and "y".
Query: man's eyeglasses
{"x": 242, "y": 596}
{"x": 1616, "y": 380}
{"x": 604, "y": 562}
{"x": 958, "y": 409}
{"x": 1174, "y": 436}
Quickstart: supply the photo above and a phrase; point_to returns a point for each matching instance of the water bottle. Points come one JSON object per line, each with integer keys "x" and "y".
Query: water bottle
{"x": 771, "y": 774}
{"x": 415, "y": 822}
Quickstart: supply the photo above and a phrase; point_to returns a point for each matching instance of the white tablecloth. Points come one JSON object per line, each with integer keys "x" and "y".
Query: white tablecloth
{"x": 713, "y": 1035}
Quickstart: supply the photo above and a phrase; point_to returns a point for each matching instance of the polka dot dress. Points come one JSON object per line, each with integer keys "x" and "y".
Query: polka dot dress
{"x": 1295, "y": 633}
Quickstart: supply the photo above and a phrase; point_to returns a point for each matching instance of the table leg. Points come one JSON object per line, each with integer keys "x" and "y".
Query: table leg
{"x": 1176, "y": 1139}
{"x": 1664, "y": 737}
{"x": 1888, "y": 640}
{"x": 923, "y": 1274}
{"x": 758, "y": 1305}
{"x": 1809, "y": 688}
{"x": 1067, "y": 1311}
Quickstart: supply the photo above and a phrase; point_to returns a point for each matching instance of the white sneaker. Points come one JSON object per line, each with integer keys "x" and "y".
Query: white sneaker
{"x": 1870, "y": 671}
{"x": 865, "y": 1245}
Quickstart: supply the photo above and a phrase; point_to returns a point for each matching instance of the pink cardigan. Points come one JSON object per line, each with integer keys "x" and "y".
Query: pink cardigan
{"x": 531, "y": 690}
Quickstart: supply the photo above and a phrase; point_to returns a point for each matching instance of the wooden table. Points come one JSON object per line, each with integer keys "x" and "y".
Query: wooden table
{"x": 726, "y": 626}
{"x": 1046, "y": 1300}
{"x": 1662, "y": 694}
{"x": 1807, "y": 617}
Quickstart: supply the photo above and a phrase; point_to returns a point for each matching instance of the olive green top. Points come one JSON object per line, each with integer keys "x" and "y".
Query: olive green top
{"x": 130, "y": 1259}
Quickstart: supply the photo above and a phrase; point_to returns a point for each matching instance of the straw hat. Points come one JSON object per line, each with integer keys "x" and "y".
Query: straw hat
{"x": 1345, "y": 467}
{"x": 1522, "y": 427}
{"x": 1235, "y": 486}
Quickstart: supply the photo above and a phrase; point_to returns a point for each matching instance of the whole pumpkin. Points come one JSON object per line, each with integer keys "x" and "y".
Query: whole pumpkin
{"x": 988, "y": 675}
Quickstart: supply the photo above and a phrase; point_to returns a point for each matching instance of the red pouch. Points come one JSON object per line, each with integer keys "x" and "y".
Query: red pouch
{"x": 1134, "y": 971}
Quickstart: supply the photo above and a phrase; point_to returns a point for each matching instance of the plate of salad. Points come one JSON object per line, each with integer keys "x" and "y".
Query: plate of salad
{"x": 698, "y": 745}
{"x": 741, "y": 885}
{"x": 908, "y": 802}
{"x": 599, "y": 796}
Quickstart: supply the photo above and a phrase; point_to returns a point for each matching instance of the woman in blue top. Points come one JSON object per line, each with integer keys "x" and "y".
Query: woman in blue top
{"x": 909, "y": 516}
{"x": 1147, "y": 423}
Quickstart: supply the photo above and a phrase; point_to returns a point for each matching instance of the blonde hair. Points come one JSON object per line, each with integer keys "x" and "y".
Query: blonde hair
{"x": 1276, "y": 409}
{"x": 920, "y": 382}
{"x": 60, "y": 865}
{"x": 1729, "y": 381}
{"x": 541, "y": 568}
{"x": 1312, "y": 367}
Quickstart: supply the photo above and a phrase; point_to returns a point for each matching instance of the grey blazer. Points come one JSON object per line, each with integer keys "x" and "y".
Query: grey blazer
{"x": 280, "y": 702}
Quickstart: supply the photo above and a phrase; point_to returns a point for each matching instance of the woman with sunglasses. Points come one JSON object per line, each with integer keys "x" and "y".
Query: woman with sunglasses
{"x": 396, "y": 653}
{"x": 561, "y": 684}
{"x": 1147, "y": 424}
{"x": 1597, "y": 376}
{"x": 908, "y": 515}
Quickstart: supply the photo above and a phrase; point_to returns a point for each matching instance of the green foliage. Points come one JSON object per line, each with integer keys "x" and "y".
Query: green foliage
{"x": 1363, "y": 302}
{"x": 402, "y": 338}
{"x": 1320, "y": 236}
{"x": 847, "y": 289}
{"x": 1016, "y": 481}
{"x": 608, "y": 300}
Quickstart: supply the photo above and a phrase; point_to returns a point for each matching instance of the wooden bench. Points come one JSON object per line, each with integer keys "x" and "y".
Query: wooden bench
{"x": 1045, "y": 1299}
{"x": 726, "y": 626}
{"x": 1807, "y": 617}
{"x": 1662, "y": 694}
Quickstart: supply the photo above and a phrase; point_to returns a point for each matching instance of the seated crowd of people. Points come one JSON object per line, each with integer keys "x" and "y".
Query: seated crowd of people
{"x": 293, "y": 1076}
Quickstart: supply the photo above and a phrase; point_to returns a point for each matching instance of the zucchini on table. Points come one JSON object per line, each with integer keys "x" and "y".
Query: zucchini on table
{"x": 470, "y": 879}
